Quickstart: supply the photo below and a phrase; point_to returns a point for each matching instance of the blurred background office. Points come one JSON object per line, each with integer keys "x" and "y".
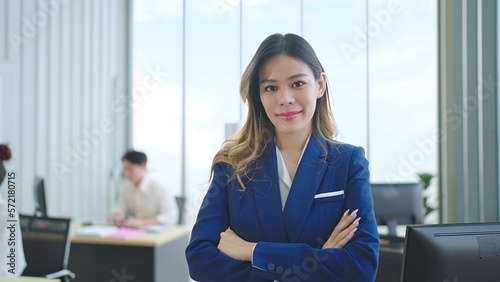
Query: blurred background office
{"x": 81, "y": 81}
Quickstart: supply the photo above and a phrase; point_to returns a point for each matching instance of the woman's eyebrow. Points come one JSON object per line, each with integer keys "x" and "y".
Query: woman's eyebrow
{"x": 267, "y": 80}
{"x": 297, "y": 75}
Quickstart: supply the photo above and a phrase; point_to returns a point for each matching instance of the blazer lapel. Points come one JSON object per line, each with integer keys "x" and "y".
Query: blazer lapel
{"x": 304, "y": 187}
{"x": 267, "y": 198}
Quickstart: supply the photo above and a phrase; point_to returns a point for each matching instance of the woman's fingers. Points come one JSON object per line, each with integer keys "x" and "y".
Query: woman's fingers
{"x": 234, "y": 246}
{"x": 346, "y": 219}
{"x": 339, "y": 240}
{"x": 344, "y": 230}
{"x": 345, "y": 236}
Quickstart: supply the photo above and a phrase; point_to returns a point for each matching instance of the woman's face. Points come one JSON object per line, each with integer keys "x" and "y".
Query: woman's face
{"x": 288, "y": 91}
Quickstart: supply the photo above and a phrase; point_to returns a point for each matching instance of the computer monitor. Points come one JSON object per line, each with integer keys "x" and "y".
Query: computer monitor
{"x": 452, "y": 252}
{"x": 397, "y": 203}
{"x": 40, "y": 202}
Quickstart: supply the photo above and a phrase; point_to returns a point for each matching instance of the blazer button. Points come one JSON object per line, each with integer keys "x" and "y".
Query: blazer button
{"x": 288, "y": 271}
{"x": 270, "y": 266}
{"x": 279, "y": 269}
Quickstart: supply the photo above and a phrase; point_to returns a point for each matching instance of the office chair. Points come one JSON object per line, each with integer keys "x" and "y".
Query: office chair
{"x": 46, "y": 243}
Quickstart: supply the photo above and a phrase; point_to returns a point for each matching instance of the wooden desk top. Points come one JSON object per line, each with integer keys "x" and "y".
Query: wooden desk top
{"x": 26, "y": 279}
{"x": 143, "y": 240}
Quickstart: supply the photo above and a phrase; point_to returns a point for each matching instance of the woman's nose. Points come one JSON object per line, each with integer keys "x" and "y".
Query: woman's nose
{"x": 286, "y": 97}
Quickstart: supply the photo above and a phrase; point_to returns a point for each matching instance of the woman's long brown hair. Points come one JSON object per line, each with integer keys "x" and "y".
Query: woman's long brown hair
{"x": 250, "y": 142}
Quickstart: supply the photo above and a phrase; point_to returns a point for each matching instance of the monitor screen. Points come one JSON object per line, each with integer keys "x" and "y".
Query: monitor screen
{"x": 397, "y": 203}
{"x": 40, "y": 202}
{"x": 452, "y": 252}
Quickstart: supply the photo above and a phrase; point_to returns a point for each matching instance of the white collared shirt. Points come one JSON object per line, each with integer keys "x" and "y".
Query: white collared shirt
{"x": 285, "y": 180}
{"x": 149, "y": 200}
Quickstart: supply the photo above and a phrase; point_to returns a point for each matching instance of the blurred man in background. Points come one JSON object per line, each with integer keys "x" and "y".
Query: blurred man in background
{"x": 142, "y": 201}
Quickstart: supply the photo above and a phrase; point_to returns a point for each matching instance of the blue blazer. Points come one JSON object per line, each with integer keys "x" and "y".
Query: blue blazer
{"x": 326, "y": 184}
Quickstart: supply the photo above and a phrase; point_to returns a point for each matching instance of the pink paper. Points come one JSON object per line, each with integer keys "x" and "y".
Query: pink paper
{"x": 124, "y": 233}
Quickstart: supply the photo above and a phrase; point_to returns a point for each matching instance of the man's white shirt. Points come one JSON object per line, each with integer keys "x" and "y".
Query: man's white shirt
{"x": 149, "y": 200}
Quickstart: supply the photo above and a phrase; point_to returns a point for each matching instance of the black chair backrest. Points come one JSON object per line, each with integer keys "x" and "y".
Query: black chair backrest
{"x": 46, "y": 243}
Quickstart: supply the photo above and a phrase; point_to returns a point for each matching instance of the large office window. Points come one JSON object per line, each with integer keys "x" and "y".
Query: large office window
{"x": 380, "y": 58}
{"x": 335, "y": 39}
{"x": 402, "y": 77}
{"x": 157, "y": 87}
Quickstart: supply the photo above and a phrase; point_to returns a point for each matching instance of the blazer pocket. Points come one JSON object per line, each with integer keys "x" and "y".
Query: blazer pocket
{"x": 329, "y": 197}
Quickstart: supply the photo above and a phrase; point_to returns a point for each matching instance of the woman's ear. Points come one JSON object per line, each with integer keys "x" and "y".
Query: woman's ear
{"x": 321, "y": 85}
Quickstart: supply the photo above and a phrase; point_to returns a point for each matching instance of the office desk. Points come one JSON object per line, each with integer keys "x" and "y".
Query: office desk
{"x": 146, "y": 257}
{"x": 390, "y": 256}
{"x": 390, "y": 263}
{"x": 26, "y": 279}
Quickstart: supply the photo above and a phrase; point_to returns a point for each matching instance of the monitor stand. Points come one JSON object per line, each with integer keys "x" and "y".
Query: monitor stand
{"x": 391, "y": 226}
{"x": 394, "y": 241}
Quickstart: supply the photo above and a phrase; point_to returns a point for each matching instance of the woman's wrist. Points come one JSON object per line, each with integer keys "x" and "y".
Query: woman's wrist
{"x": 250, "y": 253}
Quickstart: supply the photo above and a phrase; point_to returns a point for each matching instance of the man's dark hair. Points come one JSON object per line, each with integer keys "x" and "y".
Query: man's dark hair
{"x": 135, "y": 157}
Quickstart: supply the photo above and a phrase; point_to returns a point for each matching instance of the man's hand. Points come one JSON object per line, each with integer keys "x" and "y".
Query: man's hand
{"x": 344, "y": 231}
{"x": 139, "y": 222}
{"x": 232, "y": 245}
{"x": 116, "y": 219}
{"x": 133, "y": 223}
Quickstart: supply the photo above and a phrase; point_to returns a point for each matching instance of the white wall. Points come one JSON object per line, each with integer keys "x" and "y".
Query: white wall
{"x": 63, "y": 101}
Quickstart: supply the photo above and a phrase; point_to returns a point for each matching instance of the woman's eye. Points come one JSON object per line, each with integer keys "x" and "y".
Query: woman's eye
{"x": 270, "y": 88}
{"x": 298, "y": 83}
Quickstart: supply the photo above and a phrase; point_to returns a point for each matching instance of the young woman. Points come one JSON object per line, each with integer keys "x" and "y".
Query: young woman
{"x": 286, "y": 201}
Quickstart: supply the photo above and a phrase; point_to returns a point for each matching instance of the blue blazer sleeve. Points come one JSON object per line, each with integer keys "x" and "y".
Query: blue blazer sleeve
{"x": 289, "y": 241}
{"x": 205, "y": 261}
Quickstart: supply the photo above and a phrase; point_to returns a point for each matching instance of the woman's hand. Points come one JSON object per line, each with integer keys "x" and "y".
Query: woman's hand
{"x": 232, "y": 245}
{"x": 344, "y": 231}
